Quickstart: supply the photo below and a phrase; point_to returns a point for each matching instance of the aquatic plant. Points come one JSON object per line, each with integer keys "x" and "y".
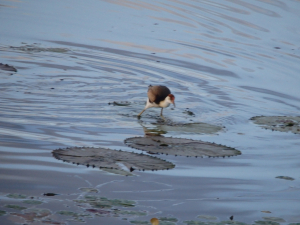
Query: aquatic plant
{"x": 180, "y": 146}
{"x": 114, "y": 161}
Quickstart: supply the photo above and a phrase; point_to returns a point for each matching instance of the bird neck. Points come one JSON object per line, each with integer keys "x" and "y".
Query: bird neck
{"x": 165, "y": 103}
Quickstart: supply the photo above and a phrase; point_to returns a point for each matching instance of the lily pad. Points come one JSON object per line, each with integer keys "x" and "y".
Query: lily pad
{"x": 180, "y": 146}
{"x": 101, "y": 202}
{"x": 266, "y": 223}
{"x": 207, "y": 217}
{"x": 7, "y": 67}
{"x": 89, "y": 190}
{"x": 2, "y": 213}
{"x": 274, "y": 219}
{"x": 285, "y": 178}
{"x": 16, "y": 196}
{"x": 279, "y": 123}
{"x": 111, "y": 159}
{"x": 17, "y": 207}
{"x": 38, "y": 48}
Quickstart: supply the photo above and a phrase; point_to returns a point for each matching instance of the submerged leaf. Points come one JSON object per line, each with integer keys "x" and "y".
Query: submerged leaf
{"x": 279, "y": 123}
{"x": 111, "y": 160}
{"x": 180, "y": 146}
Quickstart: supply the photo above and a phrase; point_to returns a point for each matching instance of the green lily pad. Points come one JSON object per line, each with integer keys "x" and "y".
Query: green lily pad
{"x": 16, "y": 196}
{"x": 207, "y": 217}
{"x": 93, "y": 190}
{"x": 180, "y": 146}
{"x": 101, "y": 202}
{"x": 285, "y": 177}
{"x": 111, "y": 159}
{"x": 2, "y": 213}
{"x": 37, "y": 48}
{"x": 279, "y": 123}
{"x": 17, "y": 207}
{"x": 274, "y": 219}
{"x": 266, "y": 223}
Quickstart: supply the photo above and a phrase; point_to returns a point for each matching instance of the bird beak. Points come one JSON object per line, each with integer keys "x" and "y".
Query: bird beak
{"x": 174, "y": 104}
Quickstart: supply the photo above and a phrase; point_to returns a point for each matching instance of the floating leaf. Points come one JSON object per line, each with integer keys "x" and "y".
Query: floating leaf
{"x": 17, "y": 207}
{"x": 274, "y": 219}
{"x": 285, "y": 177}
{"x": 111, "y": 159}
{"x": 2, "y": 213}
{"x": 180, "y": 146}
{"x": 279, "y": 123}
{"x": 101, "y": 202}
{"x": 16, "y": 196}
{"x": 7, "y": 67}
{"x": 206, "y": 217}
{"x": 89, "y": 190}
{"x": 266, "y": 223}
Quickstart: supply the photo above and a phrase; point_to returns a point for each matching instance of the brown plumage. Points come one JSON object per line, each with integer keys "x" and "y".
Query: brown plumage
{"x": 158, "y": 96}
{"x": 157, "y": 93}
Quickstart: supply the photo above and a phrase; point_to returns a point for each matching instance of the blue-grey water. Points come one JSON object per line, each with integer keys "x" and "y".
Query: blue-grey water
{"x": 225, "y": 61}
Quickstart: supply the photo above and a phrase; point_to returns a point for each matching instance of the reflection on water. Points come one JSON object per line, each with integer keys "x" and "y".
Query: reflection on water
{"x": 224, "y": 61}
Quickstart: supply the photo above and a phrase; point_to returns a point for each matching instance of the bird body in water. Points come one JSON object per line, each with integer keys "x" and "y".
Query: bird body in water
{"x": 158, "y": 96}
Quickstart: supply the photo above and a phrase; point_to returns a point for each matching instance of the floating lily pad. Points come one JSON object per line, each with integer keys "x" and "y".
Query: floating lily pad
{"x": 2, "y": 213}
{"x": 180, "y": 146}
{"x": 207, "y": 217}
{"x": 89, "y": 190}
{"x": 111, "y": 159}
{"x": 16, "y": 196}
{"x": 101, "y": 202}
{"x": 7, "y": 67}
{"x": 285, "y": 178}
{"x": 274, "y": 219}
{"x": 17, "y": 207}
{"x": 279, "y": 123}
{"x": 266, "y": 223}
{"x": 38, "y": 48}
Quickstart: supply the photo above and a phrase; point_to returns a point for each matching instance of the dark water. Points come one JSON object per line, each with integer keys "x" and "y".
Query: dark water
{"x": 224, "y": 61}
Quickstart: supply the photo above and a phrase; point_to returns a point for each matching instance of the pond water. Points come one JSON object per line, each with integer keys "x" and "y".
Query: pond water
{"x": 225, "y": 62}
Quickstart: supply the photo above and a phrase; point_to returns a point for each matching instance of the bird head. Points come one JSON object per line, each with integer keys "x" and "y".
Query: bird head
{"x": 171, "y": 98}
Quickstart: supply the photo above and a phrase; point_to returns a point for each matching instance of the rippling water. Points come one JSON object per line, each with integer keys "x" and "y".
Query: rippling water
{"x": 224, "y": 61}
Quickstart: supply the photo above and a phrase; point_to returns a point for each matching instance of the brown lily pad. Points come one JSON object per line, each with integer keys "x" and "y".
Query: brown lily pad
{"x": 180, "y": 146}
{"x": 111, "y": 160}
{"x": 279, "y": 123}
{"x": 7, "y": 67}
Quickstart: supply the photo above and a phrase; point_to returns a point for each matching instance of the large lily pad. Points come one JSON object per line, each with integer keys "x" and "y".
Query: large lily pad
{"x": 111, "y": 160}
{"x": 180, "y": 146}
{"x": 279, "y": 123}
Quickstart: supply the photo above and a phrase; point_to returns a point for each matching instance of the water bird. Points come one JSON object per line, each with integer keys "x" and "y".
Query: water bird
{"x": 158, "y": 96}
